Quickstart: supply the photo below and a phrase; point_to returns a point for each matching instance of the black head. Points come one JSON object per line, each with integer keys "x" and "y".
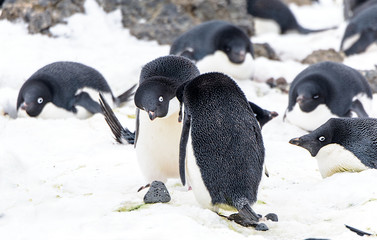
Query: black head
{"x": 33, "y": 96}
{"x": 154, "y": 95}
{"x": 309, "y": 95}
{"x": 317, "y": 139}
{"x": 234, "y": 43}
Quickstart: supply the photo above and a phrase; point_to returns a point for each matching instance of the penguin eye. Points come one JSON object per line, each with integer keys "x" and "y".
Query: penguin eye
{"x": 321, "y": 138}
{"x": 40, "y": 100}
{"x": 227, "y": 49}
{"x": 161, "y": 98}
{"x": 316, "y": 96}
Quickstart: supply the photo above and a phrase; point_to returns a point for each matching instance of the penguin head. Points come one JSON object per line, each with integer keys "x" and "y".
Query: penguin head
{"x": 317, "y": 139}
{"x": 235, "y": 44}
{"x": 154, "y": 95}
{"x": 309, "y": 95}
{"x": 33, "y": 96}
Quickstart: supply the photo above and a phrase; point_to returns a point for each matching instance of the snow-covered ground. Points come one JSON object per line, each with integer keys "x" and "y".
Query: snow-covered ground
{"x": 68, "y": 179}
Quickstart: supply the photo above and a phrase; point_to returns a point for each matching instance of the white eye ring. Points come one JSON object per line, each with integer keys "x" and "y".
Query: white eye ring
{"x": 321, "y": 138}
{"x": 160, "y": 99}
{"x": 40, "y": 100}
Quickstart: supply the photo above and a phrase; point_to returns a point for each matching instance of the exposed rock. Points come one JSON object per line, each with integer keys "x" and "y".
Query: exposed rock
{"x": 40, "y": 14}
{"x": 157, "y": 193}
{"x": 265, "y": 50}
{"x": 371, "y": 76}
{"x": 110, "y": 5}
{"x": 165, "y": 20}
{"x": 324, "y": 55}
{"x": 280, "y": 83}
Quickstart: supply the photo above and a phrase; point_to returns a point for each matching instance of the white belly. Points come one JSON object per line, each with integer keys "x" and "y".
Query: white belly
{"x": 157, "y": 147}
{"x": 263, "y": 26}
{"x": 219, "y": 62}
{"x": 311, "y": 120}
{"x": 335, "y": 158}
{"x": 194, "y": 179}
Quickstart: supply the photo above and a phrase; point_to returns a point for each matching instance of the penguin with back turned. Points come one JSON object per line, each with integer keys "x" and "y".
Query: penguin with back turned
{"x": 325, "y": 90}
{"x": 221, "y": 149}
{"x": 59, "y": 88}
{"x": 217, "y": 46}
{"x": 157, "y": 133}
{"x": 342, "y": 144}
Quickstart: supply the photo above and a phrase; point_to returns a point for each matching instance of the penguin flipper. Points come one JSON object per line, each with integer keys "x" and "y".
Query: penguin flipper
{"x": 366, "y": 38}
{"x": 126, "y": 96}
{"x": 357, "y": 231}
{"x": 358, "y": 108}
{"x": 183, "y": 147}
{"x": 84, "y": 100}
{"x": 114, "y": 124}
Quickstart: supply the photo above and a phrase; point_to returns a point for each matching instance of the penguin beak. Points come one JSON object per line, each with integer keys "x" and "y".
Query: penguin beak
{"x": 308, "y": 145}
{"x": 152, "y": 115}
{"x": 24, "y": 106}
{"x": 299, "y": 99}
{"x": 273, "y": 114}
{"x": 295, "y": 141}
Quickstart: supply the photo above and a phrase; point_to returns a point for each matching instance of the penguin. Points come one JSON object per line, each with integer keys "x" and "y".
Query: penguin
{"x": 352, "y": 8}
{"x": 217, "y": 46}
{"x": 59, "y": 88}
{"x": 364, "y": 24}
{"x": 157, "y": 132}
{"x": 221, "y": 151}
{"x": 342, "y": 145}
{"x": 325, "y": 90}
{"x": 279, "y": 12}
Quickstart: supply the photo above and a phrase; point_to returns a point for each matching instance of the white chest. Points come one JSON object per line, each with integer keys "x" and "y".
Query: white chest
{"x": 157, "y": 147}
{"x": 335, "y": 158}
{"x": 309, "y": 120}
{"x": 219, "y": 62}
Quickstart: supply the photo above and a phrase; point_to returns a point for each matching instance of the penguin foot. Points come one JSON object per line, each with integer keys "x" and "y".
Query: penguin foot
{"x": 272, "y": 216}
{"x": 242, "y": 221}
{"x": 246, "y": 222}
{"x": 144, "y": 187}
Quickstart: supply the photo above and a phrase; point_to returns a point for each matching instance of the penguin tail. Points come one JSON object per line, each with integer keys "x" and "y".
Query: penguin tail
{"x": 303, "y": 30}
{"x": 120, "y": 133}
{"x": 247, "y": 212}
{"x": 126, "y": 96}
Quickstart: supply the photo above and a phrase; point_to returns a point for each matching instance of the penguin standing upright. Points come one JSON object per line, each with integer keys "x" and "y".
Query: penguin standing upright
{"x": 325, "y": 90}
{"x": 217, "y": 46}
{"x": 221, "y": 149}
{"x": 65, "y": 86}
{"x": 158, "y": 131}
{"x": 342, "y": 145}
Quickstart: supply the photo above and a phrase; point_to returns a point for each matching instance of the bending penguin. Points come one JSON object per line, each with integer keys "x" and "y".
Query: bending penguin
{"x": 277, "y": 11}
{"x": 364, "y": 24}
{"x": 158, "y": 131}
{"x": 221, "y": 152}
{"x": 59, "y": 88}
{"x": 342, "y": 144}
{"x": 217, "y": 46}
{"x": 325, "y": 90}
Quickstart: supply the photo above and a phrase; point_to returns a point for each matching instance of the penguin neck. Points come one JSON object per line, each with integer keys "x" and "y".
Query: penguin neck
{"x": 334, "y": 158}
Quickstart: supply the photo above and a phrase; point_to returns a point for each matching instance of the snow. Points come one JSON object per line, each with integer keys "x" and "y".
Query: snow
{"x": 67, "y": 178}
